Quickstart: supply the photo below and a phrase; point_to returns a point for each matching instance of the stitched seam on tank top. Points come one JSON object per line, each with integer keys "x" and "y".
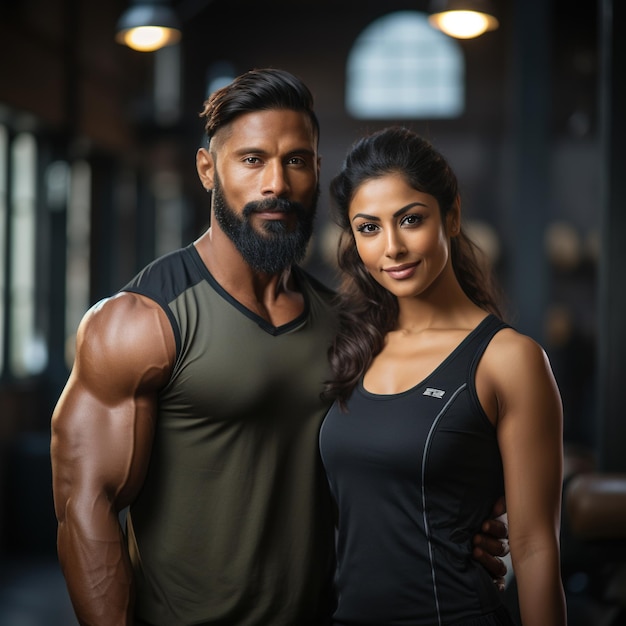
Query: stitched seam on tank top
{"x": 431, "y": 431}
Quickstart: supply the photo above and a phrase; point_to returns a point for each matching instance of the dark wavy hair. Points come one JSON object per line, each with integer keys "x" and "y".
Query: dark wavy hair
{"x": 367, "y": 311}
{"x": 257, "y": 90}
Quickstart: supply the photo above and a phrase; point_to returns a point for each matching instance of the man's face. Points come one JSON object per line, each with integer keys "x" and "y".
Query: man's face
{"x": 265, "y": 179}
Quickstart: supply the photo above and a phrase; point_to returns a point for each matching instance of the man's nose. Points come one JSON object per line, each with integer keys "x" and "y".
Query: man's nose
{"x": 275, "y": 181}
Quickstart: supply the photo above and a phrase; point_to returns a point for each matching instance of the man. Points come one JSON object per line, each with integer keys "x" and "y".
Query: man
{"x": 195, "y": 400}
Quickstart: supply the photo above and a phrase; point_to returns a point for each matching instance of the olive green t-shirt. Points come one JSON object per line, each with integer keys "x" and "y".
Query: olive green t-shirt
{"x": 233, "y": 524}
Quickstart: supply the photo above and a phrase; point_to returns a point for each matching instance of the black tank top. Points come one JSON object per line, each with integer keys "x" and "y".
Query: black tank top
{"x": 414, "y": 475}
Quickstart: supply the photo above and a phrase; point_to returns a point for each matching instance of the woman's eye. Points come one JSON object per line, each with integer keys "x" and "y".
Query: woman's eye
{"x": 367, "y": 228}
{"x": 411, "y": 220}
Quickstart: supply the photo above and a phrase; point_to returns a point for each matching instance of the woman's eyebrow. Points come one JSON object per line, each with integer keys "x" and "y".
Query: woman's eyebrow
{"x": 400, "y": 211}
{"x": 404, "y": 209}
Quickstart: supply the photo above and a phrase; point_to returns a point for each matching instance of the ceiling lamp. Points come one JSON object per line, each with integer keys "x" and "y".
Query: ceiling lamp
{"x": 463, "y": 19}
{"x": 148, "y": 25}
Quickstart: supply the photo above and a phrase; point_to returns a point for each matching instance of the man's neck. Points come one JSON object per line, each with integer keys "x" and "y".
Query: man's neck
{"x": 274, "y": 297}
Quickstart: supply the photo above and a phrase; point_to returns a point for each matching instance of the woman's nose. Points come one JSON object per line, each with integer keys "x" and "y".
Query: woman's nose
{"x": 395, "y": 245}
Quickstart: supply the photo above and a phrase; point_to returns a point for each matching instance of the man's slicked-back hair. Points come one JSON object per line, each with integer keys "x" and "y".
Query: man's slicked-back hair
{"x": 257, "y": 90}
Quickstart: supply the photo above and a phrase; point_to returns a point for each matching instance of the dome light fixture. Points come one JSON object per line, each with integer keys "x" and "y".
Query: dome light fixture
{"x": 148, "y": 25}
{"x": 463, "y": 19}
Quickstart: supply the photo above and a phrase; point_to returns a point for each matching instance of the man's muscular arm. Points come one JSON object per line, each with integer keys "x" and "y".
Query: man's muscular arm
{"x": 102, "y": 430}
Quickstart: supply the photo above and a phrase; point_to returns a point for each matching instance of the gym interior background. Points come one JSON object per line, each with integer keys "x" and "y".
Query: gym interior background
{"x": 97, "y": 178}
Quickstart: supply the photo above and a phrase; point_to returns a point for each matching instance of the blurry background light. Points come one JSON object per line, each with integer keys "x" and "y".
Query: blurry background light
{"x": 463, "y": 19}
{"x": 148, "y": 25}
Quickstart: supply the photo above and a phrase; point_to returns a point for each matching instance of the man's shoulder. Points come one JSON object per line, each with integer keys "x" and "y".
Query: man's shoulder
{"x": 167, "y": 276}
{"x": 122, "y": 325}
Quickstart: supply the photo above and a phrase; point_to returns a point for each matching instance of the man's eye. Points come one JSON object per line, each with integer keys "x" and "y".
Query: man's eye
{"x": 251, "y": 159}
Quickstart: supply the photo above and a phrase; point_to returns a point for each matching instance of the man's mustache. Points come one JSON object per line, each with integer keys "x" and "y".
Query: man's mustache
{"x": 273, "y": 204}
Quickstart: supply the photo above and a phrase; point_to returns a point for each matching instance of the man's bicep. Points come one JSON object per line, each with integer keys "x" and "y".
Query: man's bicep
{"x": 98, "y": 450}
{"x": 103, "y": 425}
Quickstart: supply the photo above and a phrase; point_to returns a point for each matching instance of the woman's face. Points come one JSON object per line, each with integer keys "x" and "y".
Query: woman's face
{"x": 399, "y": 235}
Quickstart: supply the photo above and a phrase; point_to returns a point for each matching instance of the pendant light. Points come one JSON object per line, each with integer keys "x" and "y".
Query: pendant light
{"x": 463, "y": 19}
{"x": 148, "y": 25}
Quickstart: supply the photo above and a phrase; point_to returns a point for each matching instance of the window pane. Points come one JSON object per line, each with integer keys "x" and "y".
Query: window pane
{"x": 401, "y": 67}
{"x": 78, "y": 252}
{"x": 27, "y": 349}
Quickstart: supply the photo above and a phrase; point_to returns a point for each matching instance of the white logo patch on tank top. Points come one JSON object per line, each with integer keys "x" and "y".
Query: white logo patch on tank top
{"x": 434, "y": 393}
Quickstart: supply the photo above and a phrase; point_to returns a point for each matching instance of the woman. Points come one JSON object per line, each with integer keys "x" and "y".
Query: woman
{"x": 440, "y": 407}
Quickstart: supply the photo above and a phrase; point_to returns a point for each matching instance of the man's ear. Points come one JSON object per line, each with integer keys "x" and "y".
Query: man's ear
{"x": 206, "y": 168}
{"x": 453, "y": 219}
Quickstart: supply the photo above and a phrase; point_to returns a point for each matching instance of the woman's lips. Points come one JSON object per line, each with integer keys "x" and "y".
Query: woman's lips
{"x": 400, "y": 272}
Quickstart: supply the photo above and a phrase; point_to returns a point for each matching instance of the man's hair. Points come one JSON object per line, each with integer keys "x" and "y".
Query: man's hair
{"x": 257, "y": 90}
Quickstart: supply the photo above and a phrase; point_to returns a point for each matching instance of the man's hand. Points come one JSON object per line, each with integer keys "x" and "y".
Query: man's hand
{"x": 493, "y": 542}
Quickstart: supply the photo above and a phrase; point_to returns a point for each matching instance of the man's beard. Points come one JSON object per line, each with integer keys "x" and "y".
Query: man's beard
{"x": 276, "y": 248}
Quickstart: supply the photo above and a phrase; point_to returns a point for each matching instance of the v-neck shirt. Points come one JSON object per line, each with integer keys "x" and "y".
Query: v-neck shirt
{"x": 233, "y": 524}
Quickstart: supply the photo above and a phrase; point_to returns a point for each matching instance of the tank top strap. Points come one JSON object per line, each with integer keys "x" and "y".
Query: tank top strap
{"x": 480, "y": 338}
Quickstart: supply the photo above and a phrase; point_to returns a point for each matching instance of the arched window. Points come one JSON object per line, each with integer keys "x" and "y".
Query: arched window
{"x": 400, "y": 67}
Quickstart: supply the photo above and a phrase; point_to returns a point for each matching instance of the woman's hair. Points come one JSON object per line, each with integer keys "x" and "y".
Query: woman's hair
{"x": 367, "y": 311}
{"x": 257, "y": 90}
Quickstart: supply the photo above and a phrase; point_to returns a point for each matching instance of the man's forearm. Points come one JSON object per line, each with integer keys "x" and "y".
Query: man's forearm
{"x": 97, "y": 570}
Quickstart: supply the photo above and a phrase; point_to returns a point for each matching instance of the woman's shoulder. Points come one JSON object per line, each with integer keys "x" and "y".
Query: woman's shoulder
{"x": 509, "y": 341}
{"x": 512, "y": 354}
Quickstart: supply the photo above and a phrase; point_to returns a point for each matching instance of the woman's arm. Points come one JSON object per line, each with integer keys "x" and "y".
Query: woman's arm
{"x": 529, "y": 427}
{"x": 102, "y": 430}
